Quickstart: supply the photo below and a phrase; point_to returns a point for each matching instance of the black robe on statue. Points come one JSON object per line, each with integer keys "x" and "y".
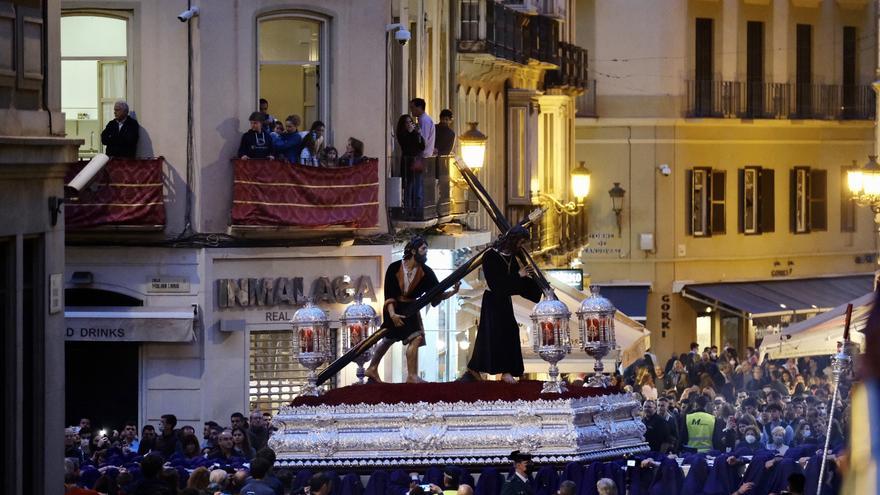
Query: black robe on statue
{"x": 497, "y": 349}
{"x": 423, "y": 281}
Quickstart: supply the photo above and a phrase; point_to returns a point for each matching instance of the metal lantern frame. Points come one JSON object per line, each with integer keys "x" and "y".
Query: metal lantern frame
{"x": 361, "y": 320}
{"x": 596, "y": 328}
{"x": 551, "y": 338}
{"x": 312, "y": 343}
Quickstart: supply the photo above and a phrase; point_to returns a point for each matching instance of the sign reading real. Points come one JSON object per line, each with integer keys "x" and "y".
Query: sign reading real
{"x": 289, "y": 291}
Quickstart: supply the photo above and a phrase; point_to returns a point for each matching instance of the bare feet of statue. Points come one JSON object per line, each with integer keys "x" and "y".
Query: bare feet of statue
{"x": 414, "y": 379}
{"x": 508, "y": 378}
{"x": 372, "y": 375}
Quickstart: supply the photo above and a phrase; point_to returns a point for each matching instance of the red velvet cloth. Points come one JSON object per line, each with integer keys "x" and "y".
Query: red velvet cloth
{"x": 411, "y": 393}
{"x": 279, "y": 194}
{"x": 127, "y": 191}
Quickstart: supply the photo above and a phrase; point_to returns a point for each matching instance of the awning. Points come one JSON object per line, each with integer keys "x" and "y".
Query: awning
{"x": 819, "y": 335}
{"x": 130, "y": 324}
{"x": 631, "y": 300}
{"x": 630, "y": 335}
{"x": 779, "y": 297}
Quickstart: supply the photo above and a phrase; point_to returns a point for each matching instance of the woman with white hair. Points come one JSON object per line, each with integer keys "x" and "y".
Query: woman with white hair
{"x": 217, "y": 481}
{"x": 606, "y": 486}
{"x": 777, "y": 440}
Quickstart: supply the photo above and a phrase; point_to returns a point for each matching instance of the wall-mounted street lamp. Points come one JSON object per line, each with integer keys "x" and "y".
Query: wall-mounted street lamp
{"x": 472, "y": 144}
{"x": 617, "y": 194}
{"x": 864, "y": 184}
{"x": 580, "y": 189}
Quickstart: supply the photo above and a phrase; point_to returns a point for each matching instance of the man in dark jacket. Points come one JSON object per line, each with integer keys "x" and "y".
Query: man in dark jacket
{"x": 151, "y": 466}
{"x": 256, "y": 142}
{"x": 519, "y": 481}
{"x": 121, "y": 134}
{"x": 657, "y": 434}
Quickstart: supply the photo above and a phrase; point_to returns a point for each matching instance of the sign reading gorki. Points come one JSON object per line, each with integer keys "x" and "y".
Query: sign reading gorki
{"x": 288, "y": 291}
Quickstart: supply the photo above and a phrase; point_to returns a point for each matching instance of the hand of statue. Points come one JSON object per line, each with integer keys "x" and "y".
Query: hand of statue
{"x": 397, "y": 319}
{"x": 456, "y": 287}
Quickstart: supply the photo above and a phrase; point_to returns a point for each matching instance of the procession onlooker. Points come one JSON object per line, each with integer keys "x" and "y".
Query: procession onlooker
{"x": 288, "y": 144}
{"x": 412, "y": 144}
{"x": 354, "y": 153}
{"x": 256, "y": 142}
{"x": 312, "y": 145}
{"x": 445, "y": 135}
{"x": 120, "y": 136}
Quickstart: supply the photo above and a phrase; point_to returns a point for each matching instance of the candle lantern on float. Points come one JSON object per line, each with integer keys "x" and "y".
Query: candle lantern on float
{"x": 551, "y": 338}
{"x": 596, "y": 325}
{"x": 358, "y": 322}
{"x": 311, "y": 333}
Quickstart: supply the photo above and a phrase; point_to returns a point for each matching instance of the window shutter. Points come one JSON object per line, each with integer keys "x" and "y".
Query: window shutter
{"x": 718, "y": 220}
{"x": 766, "y": 201}
{"x": 818, "y": 200}
{"x": 740, "y": 201}
{"x": 792, "y": 200}
{"x": 847, "y": 203}
{"x": 689, "y": 202}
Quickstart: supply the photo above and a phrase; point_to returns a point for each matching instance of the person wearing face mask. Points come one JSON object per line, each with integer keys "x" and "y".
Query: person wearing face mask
{"x": 777, "y": 440}
{"x": 775, "y": 419}
{"x": 804, "y": 434}
{"x": 749, "y": 443}
{"x": 519, "y": 481}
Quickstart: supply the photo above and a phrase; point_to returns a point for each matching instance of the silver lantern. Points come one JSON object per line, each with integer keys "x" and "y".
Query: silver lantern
{"x": 551, "y": 339}
{"x": 358, "y": 322}
{"x": 596, "y": 325}
{"x": 311, "y": 333}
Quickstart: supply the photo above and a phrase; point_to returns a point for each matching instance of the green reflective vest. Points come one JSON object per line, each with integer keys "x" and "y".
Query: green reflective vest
{"x": 700, "y": 427}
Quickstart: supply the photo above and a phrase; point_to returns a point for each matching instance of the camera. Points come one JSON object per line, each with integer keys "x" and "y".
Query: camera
{"x": 188, "y": 14}
{"x": 87, "y": 174}
{"x": 664, "y": 169}
{"x": 402, "y": 36}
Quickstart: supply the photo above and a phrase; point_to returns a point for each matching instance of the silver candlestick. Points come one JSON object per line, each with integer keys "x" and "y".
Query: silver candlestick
{"x": 311, "y": 331}
{"x": 596, "y": 325}
{"x": 358, "y": 322}
{"x": 551, "y": 338}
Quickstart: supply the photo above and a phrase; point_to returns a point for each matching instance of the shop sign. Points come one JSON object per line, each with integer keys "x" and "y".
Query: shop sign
{"x": 162, "y": 285}
{"x": 570, "y": 277}
{"x": 665, "y": 313}
{"x": 289, "y": 291}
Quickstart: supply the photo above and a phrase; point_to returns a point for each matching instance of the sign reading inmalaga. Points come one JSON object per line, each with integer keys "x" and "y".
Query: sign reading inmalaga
{"x": 289, "y": 291}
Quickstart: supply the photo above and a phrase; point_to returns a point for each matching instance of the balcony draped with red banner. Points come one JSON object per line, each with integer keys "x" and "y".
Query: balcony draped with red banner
{"x": 127, "y": 192}
{"x": 273, "y": 193}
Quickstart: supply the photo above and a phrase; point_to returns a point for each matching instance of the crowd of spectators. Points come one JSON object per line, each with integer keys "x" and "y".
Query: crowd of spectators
{"x": 270, "y": 139}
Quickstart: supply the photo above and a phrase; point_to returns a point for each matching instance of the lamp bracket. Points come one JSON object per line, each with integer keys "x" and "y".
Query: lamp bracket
{"x": 570, "y": 208}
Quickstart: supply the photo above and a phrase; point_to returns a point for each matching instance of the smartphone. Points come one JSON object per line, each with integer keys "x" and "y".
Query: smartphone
{"x": 427, "y": 488}
{"x": 631, "y": 463}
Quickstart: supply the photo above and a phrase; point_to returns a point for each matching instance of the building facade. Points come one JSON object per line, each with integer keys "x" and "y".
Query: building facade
{"x": 33, "y": 157}
{"x": 730, "y": 125}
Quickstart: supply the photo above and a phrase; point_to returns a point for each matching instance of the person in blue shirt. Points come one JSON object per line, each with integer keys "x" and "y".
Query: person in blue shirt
{"x": 289, "y": 143}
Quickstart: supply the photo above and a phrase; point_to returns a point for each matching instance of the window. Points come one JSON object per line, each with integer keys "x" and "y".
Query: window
{"x": 755, "y": 68}
{"x": 519, "y": 178}
{"x": 705, "y": 191}
{"x": 703, "y": 66}
{"x": 804, "y": 70}
{"x": 276, "y": 377}
{"x": 808, "y": 200}
{"x": 290, "y": 50}
{"x": 850, "y": 55}
{"x": 94, "y": 74}
{"x": 756, "y": 201}
{"x": 847, "y": 202}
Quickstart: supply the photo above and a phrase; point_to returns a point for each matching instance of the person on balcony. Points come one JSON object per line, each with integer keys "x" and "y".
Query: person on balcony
{"x": 405, "y": 281}
{"x": 288, "y": 143}
{"x": 412, "y": 145}
{"x": 330, "y": 157}
{"x": 268, "y": 120}
{"x": 121, "y": 134}
{"x": 354, "y": 153}
{"x": 312, "y": 145}
{"x": 256, "y": 142}
{"x": 445, "y": 135}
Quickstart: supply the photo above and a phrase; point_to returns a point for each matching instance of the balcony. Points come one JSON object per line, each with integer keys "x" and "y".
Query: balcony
{"x": 127, "y": 194}
{"x": 761, "y": 100}
{"x": 556, "y": 233}
{"x": 274, "y": 194}
{"x": 550, "y": 8}
{"x": 442, "y": 201}
{"x": 586, "y": 102}
{"x": 493, "y": 28}
{"x": 572, "y": 72}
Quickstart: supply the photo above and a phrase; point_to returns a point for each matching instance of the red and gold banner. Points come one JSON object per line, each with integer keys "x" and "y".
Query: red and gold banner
{"x": 279, "y": 194}
{"x": 127, "y": 191}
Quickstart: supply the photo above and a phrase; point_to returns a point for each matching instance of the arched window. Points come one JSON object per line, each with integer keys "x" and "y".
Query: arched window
{"x": 291, "y": 72}
{"x": 94, "y": 73}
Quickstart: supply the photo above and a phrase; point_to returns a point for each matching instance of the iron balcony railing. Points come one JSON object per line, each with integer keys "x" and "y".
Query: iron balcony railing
{"x": 572, "y": 72}
{"x": 549, "y": 8}
{"x": 586, "y": 102}
{"x": 486, "y": 26}
{"x": 763, "y": 100}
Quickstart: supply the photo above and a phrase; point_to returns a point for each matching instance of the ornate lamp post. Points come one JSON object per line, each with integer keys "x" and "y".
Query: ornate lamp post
{"x": 358, "y": 322}
{"x": 473, "y": 147}
{"x": 311, "y": 333}
{"x": 551, "y": 338}
{"x": 596, "y": 325}
{"x": 617, "y": 194}
{"x": 580, "y": 183}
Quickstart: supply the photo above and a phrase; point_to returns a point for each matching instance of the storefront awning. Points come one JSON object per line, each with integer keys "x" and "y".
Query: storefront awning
{"x": 819, "y": 335}
{"x": 780, "y": 297}
{"x": 631, "y": 300}
{"x": 130, "y": 324}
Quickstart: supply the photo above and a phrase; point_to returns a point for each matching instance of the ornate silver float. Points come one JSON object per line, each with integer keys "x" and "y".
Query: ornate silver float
{"x": 596, "y": 325}
{"x": 311, "y": 332}
{"x": 551, "y": 338}
{"x": 358, "y": 322}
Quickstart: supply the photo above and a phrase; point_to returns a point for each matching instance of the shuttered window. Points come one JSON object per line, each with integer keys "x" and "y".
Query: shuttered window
{"x": 808, "y": 200}
{"x": 706, "y": 202}
{"x": 756, "y": 209}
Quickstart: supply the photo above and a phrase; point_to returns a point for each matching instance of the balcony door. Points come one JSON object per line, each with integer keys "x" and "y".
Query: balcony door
{"x": 703, "y": 67}
{"x": 804, "y": 71}
{"x": 755, "y": 69}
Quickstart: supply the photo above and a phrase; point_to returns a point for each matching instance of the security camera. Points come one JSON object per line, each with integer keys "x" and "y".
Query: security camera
{"x": 188, "y": 14}
{"x": 402, "y": 36}
{"x": 664, "y": 169}
{"x": 87, "y": 174}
